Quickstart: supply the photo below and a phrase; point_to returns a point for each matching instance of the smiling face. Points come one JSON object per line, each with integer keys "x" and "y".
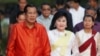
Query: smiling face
{"x": 88, "y": 23}
{"x": 61, "y": 23}
{"x": 31, "y": 15}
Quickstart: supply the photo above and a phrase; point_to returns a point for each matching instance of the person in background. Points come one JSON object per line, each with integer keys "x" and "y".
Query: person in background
{"x": 60, "y": 4}
{"x": 92, "y": 12}
{"x": 45, "y": 18}
{"x": 28, "y": 38}
{"x": 93, "y": 3}
{"x": 88, "y": 39}
{"x": 77, "y": 11}
{"x": 20, "y": 17}
{"x": 53, "y": 10}
{"x": 61, "y": 39}
{"x": 15, "y": 9}
{"x": 98, "y": 15}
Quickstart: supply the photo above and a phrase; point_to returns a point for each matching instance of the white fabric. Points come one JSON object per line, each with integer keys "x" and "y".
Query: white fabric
{"x": 72, "y": 44}
{"x": 45, "y": 21}
{"x": 82, "y": 36}
{"x": 77, "y": 15}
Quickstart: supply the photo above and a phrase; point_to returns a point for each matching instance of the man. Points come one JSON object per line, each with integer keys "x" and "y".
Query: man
{"x": 45, "y": 18}
{"x": 28, "y": 38}
{"x": 92, "y": 12}
{"x": 15, "y": 9}
{"x": 60, "y": 4}
{"x": 77, "y": 11}
{"x": 93, "y": 3}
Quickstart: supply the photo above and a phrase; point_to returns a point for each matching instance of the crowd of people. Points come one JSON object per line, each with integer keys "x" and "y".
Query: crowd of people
{"x": 66, "y": 29}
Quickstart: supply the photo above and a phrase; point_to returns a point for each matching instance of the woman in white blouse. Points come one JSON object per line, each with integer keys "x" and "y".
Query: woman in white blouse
{"x": 88, "y": 39}
{"x": 62, "y": 41}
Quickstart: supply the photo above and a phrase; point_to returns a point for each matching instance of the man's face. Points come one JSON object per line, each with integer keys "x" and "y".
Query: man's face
{"x": 46, "y": 10}
{"x": 91, "y": 12}
{"x": 31, "y": 14}
{"x": 71, "y": 4}
{"x": 22, "y": 4}
{"x": 92, "y": 3}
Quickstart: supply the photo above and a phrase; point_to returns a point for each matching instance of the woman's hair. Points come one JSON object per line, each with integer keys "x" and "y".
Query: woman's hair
{"x": 89, "y": 16}
{"x": 56, "y": 17}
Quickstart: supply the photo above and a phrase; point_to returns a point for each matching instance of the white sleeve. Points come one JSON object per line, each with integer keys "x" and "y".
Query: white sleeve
{"x": 75, "y": 49}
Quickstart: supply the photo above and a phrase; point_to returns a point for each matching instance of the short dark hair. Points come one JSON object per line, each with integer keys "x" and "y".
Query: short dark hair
{"x": 89, "y": 16}
{"x": 76, "y": 1}
{"x": 19, "y": 13}
{"x": 60, "y": 2}
{"x": 29, "y": 5}
{"x": 90, "y": 8}
{"x": 45, "y": 4}
{"x": 59, "y": 14}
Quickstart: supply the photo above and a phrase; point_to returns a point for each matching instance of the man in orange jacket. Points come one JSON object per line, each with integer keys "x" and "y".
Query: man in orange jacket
{"x": 28, "y": 38}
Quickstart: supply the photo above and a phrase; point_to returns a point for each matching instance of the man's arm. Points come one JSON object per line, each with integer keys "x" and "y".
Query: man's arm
{"x": 46, "y": 44}
{"x": 11, "y": 41}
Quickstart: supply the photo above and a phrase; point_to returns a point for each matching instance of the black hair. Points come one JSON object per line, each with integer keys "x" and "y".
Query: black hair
{"x": 90, "y": 8}
{"x": 29, "y": 5}
{"x": 19, "y": 13}
{"x": 60, "y": 2}
{"x": 76, "y": 1}
{"x": 66, "y": 6}
{"x": 45, "y": 4}
{"x": 57, "y": 16}
{"x": 89, "y": 16}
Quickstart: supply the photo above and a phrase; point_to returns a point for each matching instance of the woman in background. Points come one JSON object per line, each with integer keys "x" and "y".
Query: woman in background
{"x": 88, "y": 39}
{"x": 62, "y": 40}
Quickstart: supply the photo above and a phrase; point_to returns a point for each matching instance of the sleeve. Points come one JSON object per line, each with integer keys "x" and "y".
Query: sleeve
{"x": 98, "y": 45}
{"x": 46, "y": 44}
{"x": 11, "y": 42}
{"x": 75, "y": 49}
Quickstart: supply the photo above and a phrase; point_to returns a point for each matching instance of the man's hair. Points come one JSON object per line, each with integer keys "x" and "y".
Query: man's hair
{"x": 29, "y": 5}
{"x": 60, "y": 2}
{"x": 76, "y": 1}
{"x": 45, "y": 4}
{"x": 90, "y": 8}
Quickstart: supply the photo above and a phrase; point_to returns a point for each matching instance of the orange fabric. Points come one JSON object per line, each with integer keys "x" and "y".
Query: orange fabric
{"x": 28, "y": 42}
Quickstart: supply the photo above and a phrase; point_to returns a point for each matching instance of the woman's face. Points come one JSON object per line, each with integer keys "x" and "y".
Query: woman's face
{"x": 88, "y": 23}
{"x": 61, "y": 23}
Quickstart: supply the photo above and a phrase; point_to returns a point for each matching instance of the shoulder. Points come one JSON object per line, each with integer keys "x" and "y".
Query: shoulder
{"x": 80, "y": 32}
{"x": 81, "y": 8}
{"x": 40, "y": 26}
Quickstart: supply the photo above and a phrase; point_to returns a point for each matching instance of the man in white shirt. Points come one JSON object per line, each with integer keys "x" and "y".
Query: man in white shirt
{"x": 45, "y": 18}
{"x": 77, "y": 11}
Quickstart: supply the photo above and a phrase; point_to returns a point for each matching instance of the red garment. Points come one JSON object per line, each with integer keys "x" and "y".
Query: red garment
{"x": 87, "y": 44}
{"x": 28, "y": 42}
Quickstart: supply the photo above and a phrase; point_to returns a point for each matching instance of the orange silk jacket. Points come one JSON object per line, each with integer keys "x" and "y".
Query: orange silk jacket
{"x": 28, "y": 42}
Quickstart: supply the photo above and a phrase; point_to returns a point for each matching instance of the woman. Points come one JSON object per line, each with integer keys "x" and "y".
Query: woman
{"x": 88, "y": 39}
{"x": 62, "y": 40}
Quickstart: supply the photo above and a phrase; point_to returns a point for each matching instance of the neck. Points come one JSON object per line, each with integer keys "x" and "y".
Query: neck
{"x": 88, "y": 30}
{"x": 60, "y": 30}
{"x": 30, "y": 25}
{"x": 76, "y": 7}
{"x": 45, "y": 17}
